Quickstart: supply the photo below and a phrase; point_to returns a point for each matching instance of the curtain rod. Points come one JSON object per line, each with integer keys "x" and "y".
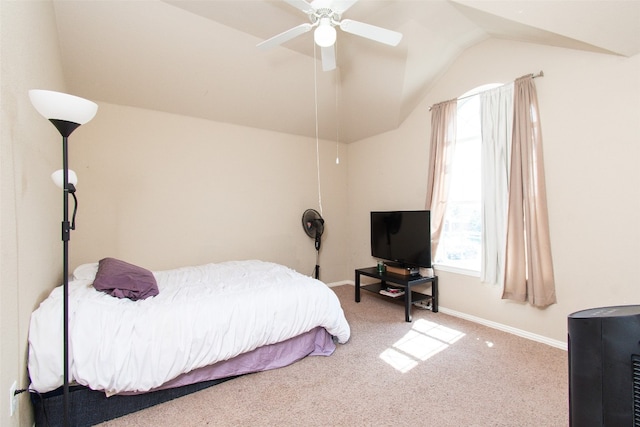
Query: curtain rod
{"x": 533, "y": 76}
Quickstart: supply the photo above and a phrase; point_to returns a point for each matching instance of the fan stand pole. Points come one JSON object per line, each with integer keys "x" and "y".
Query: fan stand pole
{"x": 317, "y": 266}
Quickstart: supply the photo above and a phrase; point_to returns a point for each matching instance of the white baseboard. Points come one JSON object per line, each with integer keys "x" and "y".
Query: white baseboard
{"x": 499, "y": 326}
{"x": 515, "y": 331}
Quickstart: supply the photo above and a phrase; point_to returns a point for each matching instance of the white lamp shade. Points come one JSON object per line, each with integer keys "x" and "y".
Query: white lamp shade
{"x": 325, "y": 33}
{"x": 58, "y": 178}
{"x": 62, "y": 106}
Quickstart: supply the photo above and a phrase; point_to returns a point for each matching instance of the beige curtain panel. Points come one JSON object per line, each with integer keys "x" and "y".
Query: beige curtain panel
{"x": 528, "y": 263}
{"x": 443, "y": 141}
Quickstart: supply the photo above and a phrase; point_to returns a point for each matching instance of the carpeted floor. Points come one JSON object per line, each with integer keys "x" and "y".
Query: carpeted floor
{"x": 436, "y": 371}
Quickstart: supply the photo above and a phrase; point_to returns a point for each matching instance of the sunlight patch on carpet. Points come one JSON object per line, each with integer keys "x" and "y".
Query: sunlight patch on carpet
{"x": 420, "y": 343}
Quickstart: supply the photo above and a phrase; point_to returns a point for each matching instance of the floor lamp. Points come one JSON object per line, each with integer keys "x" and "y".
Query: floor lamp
{"x": 67, "y": 113}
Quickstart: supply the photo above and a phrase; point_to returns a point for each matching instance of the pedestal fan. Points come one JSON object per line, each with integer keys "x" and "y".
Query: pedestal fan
{"x": 313, "y": 225}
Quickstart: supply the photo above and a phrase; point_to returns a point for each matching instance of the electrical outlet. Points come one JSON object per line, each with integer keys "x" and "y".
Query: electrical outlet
{"x": 13, "y": 399}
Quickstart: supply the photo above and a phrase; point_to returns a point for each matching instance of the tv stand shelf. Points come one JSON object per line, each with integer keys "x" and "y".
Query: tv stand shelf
{"x": 376, "y": 287}
{"x": 398, "y": 280}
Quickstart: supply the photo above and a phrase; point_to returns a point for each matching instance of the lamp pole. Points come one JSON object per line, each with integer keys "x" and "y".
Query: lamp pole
{"x": 66, "y": 235}
{"x": 65, "y": 129}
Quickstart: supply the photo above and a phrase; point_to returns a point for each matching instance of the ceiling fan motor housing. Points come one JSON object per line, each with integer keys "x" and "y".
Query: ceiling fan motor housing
{"x": 325, "y": 13}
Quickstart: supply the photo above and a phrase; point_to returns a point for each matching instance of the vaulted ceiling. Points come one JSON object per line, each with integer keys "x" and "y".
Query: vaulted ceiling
{"x": 199, "y": 58}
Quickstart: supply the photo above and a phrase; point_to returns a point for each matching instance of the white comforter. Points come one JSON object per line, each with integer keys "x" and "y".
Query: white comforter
{"x": 202, "y": 315}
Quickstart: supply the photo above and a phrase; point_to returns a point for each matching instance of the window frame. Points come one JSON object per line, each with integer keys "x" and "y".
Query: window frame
{"x": 467, "y": 97}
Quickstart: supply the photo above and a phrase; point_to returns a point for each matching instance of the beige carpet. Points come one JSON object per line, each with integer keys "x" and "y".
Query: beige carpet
{"x": 436, "y": 371}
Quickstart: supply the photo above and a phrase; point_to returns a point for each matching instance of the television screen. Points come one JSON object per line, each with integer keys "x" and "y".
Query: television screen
{"x": 403, "y": 237}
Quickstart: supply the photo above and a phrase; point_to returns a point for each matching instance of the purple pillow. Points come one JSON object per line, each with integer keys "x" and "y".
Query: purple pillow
{"x": 123, "y": 280}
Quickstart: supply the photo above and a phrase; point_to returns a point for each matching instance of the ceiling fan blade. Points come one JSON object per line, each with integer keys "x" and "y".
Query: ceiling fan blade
{"x": 328, "y": 58}
{"x": 301, "y": 5}
{"x": 382, "y": 35}
{"x": 286, "y": 36}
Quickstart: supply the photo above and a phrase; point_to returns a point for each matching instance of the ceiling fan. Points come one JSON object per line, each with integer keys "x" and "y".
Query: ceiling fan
{"x": 325, "y": 15}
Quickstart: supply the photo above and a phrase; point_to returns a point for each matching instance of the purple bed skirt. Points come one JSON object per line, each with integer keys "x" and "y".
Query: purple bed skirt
{"x": 316, "y": 342}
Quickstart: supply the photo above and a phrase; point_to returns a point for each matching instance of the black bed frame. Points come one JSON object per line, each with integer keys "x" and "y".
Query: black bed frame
{"x": 89, "y": 407}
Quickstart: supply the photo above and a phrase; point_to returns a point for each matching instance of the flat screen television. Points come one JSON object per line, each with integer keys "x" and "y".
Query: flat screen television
{"x": 402, "y": 237}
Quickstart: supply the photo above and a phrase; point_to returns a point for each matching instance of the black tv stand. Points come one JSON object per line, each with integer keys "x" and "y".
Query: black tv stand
{"x": 406, "y": 281}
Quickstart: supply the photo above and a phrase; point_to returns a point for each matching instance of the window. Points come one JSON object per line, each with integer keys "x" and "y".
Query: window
{"x": 461, "y": 240}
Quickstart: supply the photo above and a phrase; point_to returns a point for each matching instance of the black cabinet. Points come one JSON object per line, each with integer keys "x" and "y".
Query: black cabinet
{"x": 398, "y": 280}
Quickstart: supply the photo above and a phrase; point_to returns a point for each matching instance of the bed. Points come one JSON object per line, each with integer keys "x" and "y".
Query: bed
{"x": 177, "y": 328}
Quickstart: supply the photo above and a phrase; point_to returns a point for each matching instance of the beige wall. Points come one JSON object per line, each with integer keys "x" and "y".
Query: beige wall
{"x": 31, "y": 261}
{"x": 164, "y": 191}
{"x": 590, "y": 112}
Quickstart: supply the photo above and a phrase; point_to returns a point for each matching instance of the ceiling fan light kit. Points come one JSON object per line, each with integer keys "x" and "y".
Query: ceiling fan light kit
{"x": 325, "y": 15}
{"x": 325, "y": 33}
